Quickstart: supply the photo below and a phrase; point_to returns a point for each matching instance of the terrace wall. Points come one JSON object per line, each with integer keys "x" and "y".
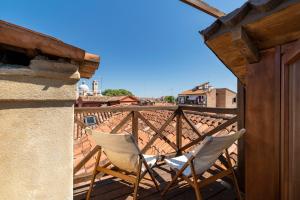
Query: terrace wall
{"x": 36, "y": 130}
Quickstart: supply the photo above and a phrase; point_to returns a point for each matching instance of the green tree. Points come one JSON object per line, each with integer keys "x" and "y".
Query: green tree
{"x": 169, "y": 99}
{"x": 117, "y": 92}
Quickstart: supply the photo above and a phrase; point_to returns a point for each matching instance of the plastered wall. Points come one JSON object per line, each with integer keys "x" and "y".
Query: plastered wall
{"x": 211, "y": 98}
{"x": 36, "y": 126}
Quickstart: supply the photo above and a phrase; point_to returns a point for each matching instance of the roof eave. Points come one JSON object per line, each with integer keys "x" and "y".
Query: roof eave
{"x": 34, "y": 43}
{"x": 237, "y": 38}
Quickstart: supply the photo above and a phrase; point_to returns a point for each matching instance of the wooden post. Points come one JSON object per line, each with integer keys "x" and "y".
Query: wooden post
{"x": 179, "y": 130}
{"x": 241, "y": 143}
{"x": 135, "y": 125}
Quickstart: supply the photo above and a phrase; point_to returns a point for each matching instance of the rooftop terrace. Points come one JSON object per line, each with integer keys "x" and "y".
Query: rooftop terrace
{"x": 192, "y": 123}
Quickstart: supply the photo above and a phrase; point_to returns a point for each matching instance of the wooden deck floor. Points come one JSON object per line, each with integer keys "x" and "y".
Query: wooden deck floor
{"x": 113, "y": 188}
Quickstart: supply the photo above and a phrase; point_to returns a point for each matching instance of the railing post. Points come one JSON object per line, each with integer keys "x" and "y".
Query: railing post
{"x": 179, "y": 129}
{"x": 135, "y": 125}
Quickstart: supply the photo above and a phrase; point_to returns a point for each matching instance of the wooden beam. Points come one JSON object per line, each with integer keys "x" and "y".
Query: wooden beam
{"x": 80, "y": 123}
{"x": 241, "y": 142}
{"x": 139, "y": 115}
{"x": 209, "y": 110}
{"x": 179, "y": 130}
{"x": 209, "y": 133}
{"x": 192, "y": 125}
{"x": 123, "y": 109}
{"x": 85, "y": 159}
{"x": 148, "y": 108}
{"x": 244, "y": 44}
{"x": 236, "y": 16}
{"x": 212, "y": 179}
{"x": 135, "y": 125}
{"x": 214, "y": 115}
{"x": 147, "y": 122}
{"x": 201, "y": 5}
{"x": 113, "y": 173}
{"x": 159, "y": 134}
{"x": 122, "y": 123}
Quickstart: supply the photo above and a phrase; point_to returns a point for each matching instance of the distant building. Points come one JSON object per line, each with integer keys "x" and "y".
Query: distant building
{"x": 98, "y": 101}
{"x": 144, "y": 101}
{"x": 207, "y": 96}
{"x": 94, "y": 98}
{"x": 225, "y": 98}
{"x": 96, "y": 90}
{"x": 84, "y": 90}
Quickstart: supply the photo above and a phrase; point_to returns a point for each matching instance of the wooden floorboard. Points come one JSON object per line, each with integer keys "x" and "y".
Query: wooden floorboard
{"x": 112, "y": 188}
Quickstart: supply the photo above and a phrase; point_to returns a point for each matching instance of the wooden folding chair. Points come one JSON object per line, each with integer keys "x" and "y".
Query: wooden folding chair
{"x": 189, "y": 166}
{"x": 127, "y": 161}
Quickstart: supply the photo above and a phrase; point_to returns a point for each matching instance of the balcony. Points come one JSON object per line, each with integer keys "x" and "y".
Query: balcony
{"x": 163, "y": 130}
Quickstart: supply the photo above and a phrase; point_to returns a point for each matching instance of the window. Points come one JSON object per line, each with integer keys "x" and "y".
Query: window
{"x": 234, "y": 100}
{"x": 90, "y": 120}
{"x": 181, "y": 100}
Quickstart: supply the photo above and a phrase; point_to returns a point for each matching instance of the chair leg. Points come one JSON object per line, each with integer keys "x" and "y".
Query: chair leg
{"x": 149, "y": 170}
{"x": 174, "y": 179}
{"x": 154, "y": 181}
{"x": 197, "y": 192}
{"x": 88, "y": 196}
{"x": 235, "y": 182}
{"x": 136, "y": 185}
{"x": 237, "y": 189}
{"x": 196, "y": 184}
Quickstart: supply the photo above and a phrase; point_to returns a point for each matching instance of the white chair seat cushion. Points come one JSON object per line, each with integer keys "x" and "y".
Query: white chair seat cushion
{"x": 206, "y": 153}
{"x": 150, "y": 160}
{"x": 178, "y": 162}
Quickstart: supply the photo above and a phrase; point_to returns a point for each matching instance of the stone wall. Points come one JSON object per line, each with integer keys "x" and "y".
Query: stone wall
{"x": 36, "y": 131}
{"x": 224, "y": 98}
{"x": 230, "y": 103}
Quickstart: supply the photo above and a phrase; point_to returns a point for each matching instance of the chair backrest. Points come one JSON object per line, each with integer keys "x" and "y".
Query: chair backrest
{"x": 120, "y": 149}
{"x": 211, "y": 148}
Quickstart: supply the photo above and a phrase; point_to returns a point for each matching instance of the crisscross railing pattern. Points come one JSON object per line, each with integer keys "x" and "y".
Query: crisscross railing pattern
{"x": 179, "y": 114}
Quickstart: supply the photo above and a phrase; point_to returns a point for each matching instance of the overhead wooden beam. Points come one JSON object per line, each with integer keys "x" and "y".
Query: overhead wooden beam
{"x": 201, "y": 5}
{"x": 247, "y": 48}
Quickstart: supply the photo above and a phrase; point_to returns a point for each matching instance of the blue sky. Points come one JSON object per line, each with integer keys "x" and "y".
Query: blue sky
{"x": 150, "y": 47}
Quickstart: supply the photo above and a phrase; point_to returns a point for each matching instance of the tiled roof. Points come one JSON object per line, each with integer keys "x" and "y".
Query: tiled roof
{"x": 105, "y": 99}
{"x": 203, "y": 122}
{"x": 194, "y": 92}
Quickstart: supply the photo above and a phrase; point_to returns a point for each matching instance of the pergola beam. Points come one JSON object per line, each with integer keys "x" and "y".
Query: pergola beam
{"x": 201, "y": 5}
